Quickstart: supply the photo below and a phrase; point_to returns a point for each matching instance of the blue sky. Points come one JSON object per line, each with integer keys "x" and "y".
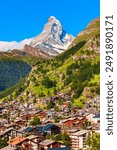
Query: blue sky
{"x": 20, "y": 19}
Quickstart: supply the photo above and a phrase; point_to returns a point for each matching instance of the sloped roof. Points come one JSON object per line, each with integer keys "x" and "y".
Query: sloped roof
{"x": 47, "y": 142}
{"x": 32, "y": 137}
{"x": 28, "y": 129}
{"x": 44, "y": 128}
{"x": 79, "y": 133}
{"x": 39, "y": 128}
{"x": 17, "y": 140}
{"x": 8, "y": 148}
{"x": 97, "y": 116}
{"x": 48, "y": 126}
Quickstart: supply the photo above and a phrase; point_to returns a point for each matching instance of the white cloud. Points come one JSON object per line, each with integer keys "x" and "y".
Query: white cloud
{"x": 5, "y": 46}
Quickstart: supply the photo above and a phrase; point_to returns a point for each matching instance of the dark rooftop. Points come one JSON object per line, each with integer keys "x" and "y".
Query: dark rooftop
{"x": 28, "y": 129}
{"x": 97, "y": 116}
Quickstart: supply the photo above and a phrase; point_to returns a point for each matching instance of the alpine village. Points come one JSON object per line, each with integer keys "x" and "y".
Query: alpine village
{"x": 50, "y": 91}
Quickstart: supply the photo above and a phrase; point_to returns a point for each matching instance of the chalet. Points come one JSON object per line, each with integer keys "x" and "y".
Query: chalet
{"x": 49, "y": 129}
{"x": 33, "y": 142}
{"x": 64, "y": 96}
{"x": 89, "y": 116}
{"x": 66, "y": 111}
{"x": 20, "y": 123}
{"x": 42, "y": 115}
{"x": 4, "y": 121}
{"x": 14, "y": 114}
{"x": 96, "y": 119}
{"x": 79, "y": 122}
{"x": 50, "y": 113}
{"x": 31, "y": 131}
{"x": 62, "y": 127}
{"x": 74, "y": 121}
{"x": 40, "y": 130}
{"x": 45, "y": 145}
{"x": 69, "y": 121}
{"x": 9, "y": 133}
{"x": 25, "y": 117}
{"x": 18, "y": 142}
{"x": 6, "y": 133}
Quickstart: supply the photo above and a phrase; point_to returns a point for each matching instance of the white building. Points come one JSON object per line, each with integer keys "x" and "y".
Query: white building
{"x": 78, "y": 139}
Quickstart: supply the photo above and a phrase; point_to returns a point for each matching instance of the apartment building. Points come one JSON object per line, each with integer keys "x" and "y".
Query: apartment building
{"x": 78, "y": 139}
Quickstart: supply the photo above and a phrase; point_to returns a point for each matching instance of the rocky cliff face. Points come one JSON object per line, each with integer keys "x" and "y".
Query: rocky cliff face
{"x": 53, "y": 39}
{"x": 36, "y": 52}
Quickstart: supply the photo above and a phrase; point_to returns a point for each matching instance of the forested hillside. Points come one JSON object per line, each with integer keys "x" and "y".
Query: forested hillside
{"x": 11, "y": 71}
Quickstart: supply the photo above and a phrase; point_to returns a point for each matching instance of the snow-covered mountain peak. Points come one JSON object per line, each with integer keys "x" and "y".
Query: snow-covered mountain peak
{"x": 53, "y": 19}
{"x": 51, "y": 25}
{"x": 53, "y": 39}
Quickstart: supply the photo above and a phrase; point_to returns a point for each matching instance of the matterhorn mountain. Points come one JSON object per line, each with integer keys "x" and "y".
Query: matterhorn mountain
{"x": 53, "y": 39}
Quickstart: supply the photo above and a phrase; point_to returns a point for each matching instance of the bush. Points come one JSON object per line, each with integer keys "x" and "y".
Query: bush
{"x": 57, "y": 118}
{"x": 3, "y": 143}
{"x": 93, "y": 141}
{"x": 71, "y": 51}
{"x": 35, "y": 121}
{"x": 71, "y": 68}
{"x": 50, "y": 105}
{"x": 79, "y": 102}
{"x": 48, "y": 83}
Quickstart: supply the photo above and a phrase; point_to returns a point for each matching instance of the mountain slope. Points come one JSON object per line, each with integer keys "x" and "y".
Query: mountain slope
{"x": 74, "y": 72}
{"x": 19, "y": 62}
{"x": 11, "y": 71}
{"x": 53, "y": 39}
